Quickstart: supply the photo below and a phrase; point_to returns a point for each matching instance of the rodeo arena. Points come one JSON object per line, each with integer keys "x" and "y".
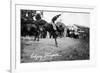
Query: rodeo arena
{"x": 46, "y": 36}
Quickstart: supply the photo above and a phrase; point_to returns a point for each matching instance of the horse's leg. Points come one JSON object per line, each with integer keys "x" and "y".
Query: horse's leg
{"x": 35, "y": 36}
{"x": 60, "y": 34}
{"x": 50, "y": 35}
{"x": 56, "y": 42}
{"x": 38, "y": 36}
{"x": 55, "y": 37}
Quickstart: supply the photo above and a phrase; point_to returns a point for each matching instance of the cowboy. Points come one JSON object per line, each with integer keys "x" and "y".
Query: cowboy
{"x": 53, "y": 21}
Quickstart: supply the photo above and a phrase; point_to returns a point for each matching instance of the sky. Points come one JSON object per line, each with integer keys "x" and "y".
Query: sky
{"x": 69, "y": 18}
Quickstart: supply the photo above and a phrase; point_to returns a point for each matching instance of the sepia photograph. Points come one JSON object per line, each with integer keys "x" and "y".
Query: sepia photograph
{"x": 48, "y": 35}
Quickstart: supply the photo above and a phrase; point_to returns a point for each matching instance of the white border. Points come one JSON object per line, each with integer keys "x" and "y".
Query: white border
{"x": 15, "y": 47}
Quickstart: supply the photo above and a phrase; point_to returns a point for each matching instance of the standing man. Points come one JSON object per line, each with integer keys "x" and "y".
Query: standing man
{"x": 37, "y": 23}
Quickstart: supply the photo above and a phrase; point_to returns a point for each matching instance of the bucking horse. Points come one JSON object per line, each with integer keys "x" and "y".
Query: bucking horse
{"x": 47, "y": 27}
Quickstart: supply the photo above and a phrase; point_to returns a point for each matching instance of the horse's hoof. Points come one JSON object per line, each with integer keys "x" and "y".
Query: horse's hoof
{"x": 37, "y": 40}
{"x": 56, "y": 45}
{"x": 34, "y": 40}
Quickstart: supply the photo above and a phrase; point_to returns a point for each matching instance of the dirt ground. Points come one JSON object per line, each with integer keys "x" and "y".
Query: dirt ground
{"x": 46, "y": 51}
